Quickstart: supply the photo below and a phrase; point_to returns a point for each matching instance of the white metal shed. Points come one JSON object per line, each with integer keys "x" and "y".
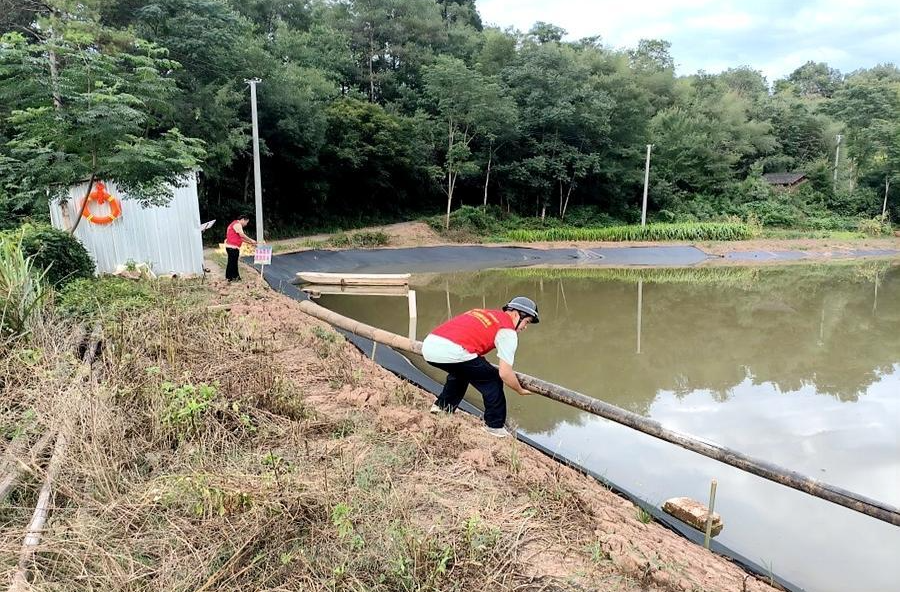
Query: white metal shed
{"x": 167, "y": 238}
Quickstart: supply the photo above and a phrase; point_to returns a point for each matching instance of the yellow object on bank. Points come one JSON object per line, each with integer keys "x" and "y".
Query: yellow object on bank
{"x": 247, "y": 249}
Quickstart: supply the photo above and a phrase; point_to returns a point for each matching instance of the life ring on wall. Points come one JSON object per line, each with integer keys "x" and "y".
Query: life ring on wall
{"x": 100, "y": 195}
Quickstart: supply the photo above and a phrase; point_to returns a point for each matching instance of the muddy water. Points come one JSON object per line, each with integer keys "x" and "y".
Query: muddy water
{"x": 799, "y": 366}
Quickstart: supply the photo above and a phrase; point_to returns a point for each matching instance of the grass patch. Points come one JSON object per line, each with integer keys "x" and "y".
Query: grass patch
{"x": 366, "y": 239}
{"x": 787, "y": 234}
{"x": 359, "y": 240}
{"x": 85, "y": 299}
{"x": 665, "y": 275}
{"x": 694, "y": 231}
{"x": 643, "y": 516}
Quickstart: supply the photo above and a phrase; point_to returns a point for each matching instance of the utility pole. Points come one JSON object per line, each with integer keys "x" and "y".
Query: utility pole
{"x": 646, "y": 181}
{"x": 257, "y": 180}
{"x": 837, "y": 153}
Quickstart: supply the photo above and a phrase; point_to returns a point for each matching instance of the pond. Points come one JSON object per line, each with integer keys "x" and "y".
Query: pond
{"x": 794, "y": 365}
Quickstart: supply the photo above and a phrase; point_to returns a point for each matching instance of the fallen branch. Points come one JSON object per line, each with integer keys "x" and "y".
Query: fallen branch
{"x": 39, "y": 518}
{"x": 14, "y": 471}
{"x": 42, "y": 508}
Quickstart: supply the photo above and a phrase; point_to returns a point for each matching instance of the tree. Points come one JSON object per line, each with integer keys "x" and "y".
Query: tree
{"x": 652, "y": 55}
{"x": 564, "y": 115}
{"x": 216, "y": 49}
{"x": 497, "y": 52}
{"x": 869, "y": 106}
{"x": 468, "y": 104}
{"x": 542, "y": 32}
{"x": 372, "y": 158}
{"x": 390, "y": 39}
{"x": 97, "y": 113}
{"x": 801, "y": 132}
{"x": 812, "y": 80}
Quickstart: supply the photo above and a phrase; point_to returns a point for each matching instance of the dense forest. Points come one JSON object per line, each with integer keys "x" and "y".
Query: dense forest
{"x": 384, "y": 109}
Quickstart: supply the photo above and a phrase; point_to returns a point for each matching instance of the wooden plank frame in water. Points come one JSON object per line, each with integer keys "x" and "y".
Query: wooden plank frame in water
{"x": 794, "y": 480}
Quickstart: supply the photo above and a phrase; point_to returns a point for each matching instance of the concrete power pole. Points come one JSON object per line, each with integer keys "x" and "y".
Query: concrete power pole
{"x": 837, "y": 153}
{"x": 257, "y": 180}
{"x": 646, "y": 181}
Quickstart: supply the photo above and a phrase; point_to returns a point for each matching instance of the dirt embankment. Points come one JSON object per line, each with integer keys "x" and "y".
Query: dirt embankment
{"x": 419, "y": 234}
{"x": 554, "y": 528}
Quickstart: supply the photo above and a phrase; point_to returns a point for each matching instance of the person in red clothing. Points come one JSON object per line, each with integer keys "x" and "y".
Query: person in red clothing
{"x": 458, "y": 347}
{"x": 234, "y": 238}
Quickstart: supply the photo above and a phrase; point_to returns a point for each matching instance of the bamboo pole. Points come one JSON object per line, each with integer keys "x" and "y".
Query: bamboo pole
{"x": 848, "y": 499}
{"x": 361, "y": 329}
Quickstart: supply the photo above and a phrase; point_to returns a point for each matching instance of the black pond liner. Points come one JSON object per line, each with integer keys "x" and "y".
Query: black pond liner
{"x": 398, "y": 364}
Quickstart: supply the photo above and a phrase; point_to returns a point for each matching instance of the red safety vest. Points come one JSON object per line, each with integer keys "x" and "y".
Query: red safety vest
{"x": 475, "y": 330}
{"x": 232, "y": 238}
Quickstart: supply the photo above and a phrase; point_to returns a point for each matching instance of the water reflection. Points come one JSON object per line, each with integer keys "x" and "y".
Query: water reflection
{"x": 625, "y": 341}
{"x": 797, "y": 365}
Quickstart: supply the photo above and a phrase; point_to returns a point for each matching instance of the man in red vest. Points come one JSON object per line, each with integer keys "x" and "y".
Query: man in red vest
{"x": 458, "y": 347}
{"x": 234, "y": 238}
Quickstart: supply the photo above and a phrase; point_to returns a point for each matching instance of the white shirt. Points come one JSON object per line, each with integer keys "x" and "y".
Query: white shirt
{"x": 443, "y": 351}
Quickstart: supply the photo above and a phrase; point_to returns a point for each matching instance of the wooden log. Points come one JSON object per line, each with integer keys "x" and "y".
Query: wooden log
{"x": 848, "y": 499}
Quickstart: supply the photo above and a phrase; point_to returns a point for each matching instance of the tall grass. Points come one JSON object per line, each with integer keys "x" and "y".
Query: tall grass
{"x": 664, "y": 275}
{"x": 723, "y": 231}
{"x": 22, "y": 290}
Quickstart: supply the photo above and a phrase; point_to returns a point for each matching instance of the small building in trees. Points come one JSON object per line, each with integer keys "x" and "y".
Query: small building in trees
{"x": 785, "y": 181}
{"x": 118, "y": 231}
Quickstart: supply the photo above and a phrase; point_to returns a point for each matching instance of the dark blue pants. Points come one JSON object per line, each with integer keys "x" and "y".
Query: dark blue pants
{"x": 486, "y": 380}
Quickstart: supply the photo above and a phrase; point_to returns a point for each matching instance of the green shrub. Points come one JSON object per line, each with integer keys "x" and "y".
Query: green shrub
{"x": 365, "y": 239}
{"x": 861, "y": 201}
{"x": 651, "y": 232}
{"x": 186, "y": 404}
{"x": 59, "y": 253}
{"x": 87, "y": 299}
{"x": 874, "y": 227}
{"x": 582, "y": 216}
{"x": 774, "y": 213}
{"x": 468, "y": 218}
{"x": 22, "y": 289}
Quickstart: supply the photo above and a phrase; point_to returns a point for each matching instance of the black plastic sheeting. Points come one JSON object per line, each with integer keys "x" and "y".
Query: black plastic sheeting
{"x": 807, "y": 256}
{"x": 474, "y": 258}
{"x": 400, "y": 365}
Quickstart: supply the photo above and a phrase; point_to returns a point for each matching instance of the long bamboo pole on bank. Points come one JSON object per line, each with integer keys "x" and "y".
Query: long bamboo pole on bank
{"x": 772, "y": 472}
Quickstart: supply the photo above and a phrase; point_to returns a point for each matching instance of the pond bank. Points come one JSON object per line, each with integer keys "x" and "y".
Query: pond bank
{"x": 564, "y": 528}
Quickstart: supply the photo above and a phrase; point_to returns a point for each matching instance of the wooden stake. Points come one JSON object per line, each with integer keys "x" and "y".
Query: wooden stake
{"x": 709, "y": 513}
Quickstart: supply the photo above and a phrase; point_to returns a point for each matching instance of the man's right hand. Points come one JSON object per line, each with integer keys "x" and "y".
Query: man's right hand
{"x": 525, "y": 392}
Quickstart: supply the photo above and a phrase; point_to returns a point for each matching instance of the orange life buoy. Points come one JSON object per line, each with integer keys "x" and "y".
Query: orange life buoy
{"x": 100, "y": 195}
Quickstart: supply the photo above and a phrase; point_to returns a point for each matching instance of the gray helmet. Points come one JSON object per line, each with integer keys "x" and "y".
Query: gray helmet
{"x": 525, "y": 306}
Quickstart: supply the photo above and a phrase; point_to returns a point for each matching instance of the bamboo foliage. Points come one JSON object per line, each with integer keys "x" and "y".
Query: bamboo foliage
{"x": 694, "y": 231}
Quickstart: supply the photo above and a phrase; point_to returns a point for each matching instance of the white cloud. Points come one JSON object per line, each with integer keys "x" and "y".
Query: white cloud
{"x": 768, "y": 35}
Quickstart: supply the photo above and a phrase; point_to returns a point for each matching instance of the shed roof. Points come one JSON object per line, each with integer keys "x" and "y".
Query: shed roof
{"x": 783, "y": 178}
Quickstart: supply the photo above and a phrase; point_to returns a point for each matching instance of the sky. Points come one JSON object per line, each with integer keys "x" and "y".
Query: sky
{"x": 774, "y": 37}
